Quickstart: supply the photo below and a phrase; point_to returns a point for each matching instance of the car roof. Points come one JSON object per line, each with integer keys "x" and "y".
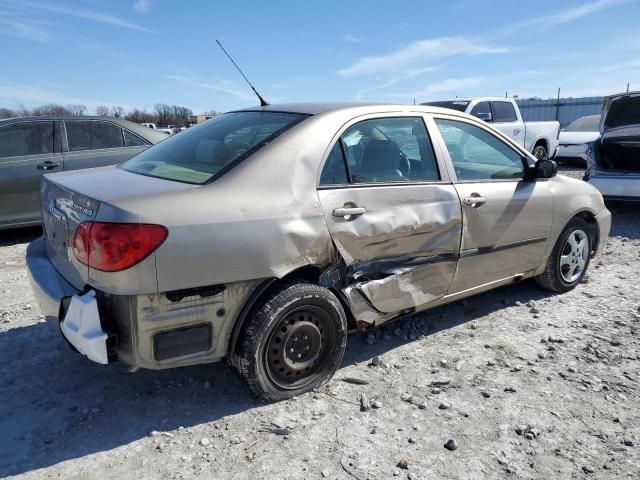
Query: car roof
{"x": 317, "y": 108}
{"x": 145, "y": 132}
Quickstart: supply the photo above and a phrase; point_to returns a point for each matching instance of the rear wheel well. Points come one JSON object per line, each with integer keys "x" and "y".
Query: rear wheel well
{"x": 542, "y": 143}
{"x": 308, "y": 273}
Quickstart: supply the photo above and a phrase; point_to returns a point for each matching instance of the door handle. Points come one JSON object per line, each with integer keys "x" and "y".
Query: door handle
{"x": 47, "y": 165}
{"x": 347, "y": 211}
{"x": 474, "y": 201}
{"x": 516, "y": 131}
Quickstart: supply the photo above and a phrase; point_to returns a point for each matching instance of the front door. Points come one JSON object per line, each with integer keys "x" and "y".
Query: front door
{"x": 392, "y": 212}
{"x": 27, "y": 151}
{"x": 506, "y": 120}
{"x": 507, "y": 219}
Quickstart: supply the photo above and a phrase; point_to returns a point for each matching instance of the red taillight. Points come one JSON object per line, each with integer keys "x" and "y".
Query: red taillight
{"x": 112, "y": 247}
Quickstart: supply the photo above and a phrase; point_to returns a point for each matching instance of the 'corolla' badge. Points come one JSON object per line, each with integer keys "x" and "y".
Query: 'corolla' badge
{"x": 84, "y": 210}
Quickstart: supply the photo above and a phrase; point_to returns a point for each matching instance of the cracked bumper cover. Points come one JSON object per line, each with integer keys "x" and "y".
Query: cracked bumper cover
{"x": 81, "y": 325}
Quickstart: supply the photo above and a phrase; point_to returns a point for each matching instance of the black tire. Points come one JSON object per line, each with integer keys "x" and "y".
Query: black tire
{"x": 306, "y": 319}
{"x": 555, "y": 274}
{"x": 540, "y": 152}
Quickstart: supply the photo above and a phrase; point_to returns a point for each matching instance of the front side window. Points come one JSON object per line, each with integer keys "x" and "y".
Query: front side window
{"x": 29, "y": 138}
{"x": 201, "y": 153}
{"x": 504, "y": 112}
{"x": 387, "y": 150}
{"x": 93, "y": 135}
{"x": 477, "y": 154}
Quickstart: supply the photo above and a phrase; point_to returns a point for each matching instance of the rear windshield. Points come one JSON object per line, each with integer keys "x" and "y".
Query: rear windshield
{"x": 590, "y": 123}
{"x": 202, "y": 153}
{"x": 460, "y": 105}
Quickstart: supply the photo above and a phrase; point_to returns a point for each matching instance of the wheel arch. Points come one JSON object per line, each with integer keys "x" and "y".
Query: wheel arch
{"x": 307, "y": 273}
{"x": 590, "y": 218}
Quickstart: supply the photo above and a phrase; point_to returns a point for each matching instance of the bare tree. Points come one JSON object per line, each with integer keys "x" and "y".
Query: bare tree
{"x": 117, "y": 112}
{"x": 102, "y": 111}
{"x": 7, "y": 113}
{"x": 181, "y": 115}
{"x": 163, "y": 113}
{"x": 22, "y": 111}
{"x": 77, "y": 110}
{"x": 51, "y": 109}
{"x": 210, "y": 113}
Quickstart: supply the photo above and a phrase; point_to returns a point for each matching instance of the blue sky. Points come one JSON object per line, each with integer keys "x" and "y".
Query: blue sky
{"x": 135, "y": 53}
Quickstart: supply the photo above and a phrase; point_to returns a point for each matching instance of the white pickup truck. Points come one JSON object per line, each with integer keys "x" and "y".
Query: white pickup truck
{"x": 540, "y": 138}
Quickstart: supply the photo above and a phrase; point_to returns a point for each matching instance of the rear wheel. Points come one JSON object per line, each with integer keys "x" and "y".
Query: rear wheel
{"x": 569, "y": 259}
{"x": 540, "y": 152}
{"x": 294, "y": 342}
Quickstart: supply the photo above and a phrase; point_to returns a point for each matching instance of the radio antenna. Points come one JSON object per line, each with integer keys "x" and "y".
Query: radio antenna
{"x": 263, "y": 102}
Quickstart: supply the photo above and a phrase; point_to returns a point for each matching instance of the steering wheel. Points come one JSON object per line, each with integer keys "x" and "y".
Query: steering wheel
{"x": 404, "y": 165}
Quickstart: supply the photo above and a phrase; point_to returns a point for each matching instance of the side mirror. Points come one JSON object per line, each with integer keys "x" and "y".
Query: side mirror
{"x": 545, "y": 169}
{"x": 486, "y": 116}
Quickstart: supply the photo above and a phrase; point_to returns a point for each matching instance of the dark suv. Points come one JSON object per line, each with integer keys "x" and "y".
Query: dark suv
{"x": 33, "y": 146}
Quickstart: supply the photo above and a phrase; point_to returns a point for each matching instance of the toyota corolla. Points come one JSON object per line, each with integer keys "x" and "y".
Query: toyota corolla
{"x": 263, "y": 236}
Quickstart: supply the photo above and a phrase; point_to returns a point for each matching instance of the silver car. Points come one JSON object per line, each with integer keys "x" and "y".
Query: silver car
{"x": 613, "y": 160}
{"x": 264, "y": 235}
{"x": 575, "y": 138}
{"x": 33, "y": 146}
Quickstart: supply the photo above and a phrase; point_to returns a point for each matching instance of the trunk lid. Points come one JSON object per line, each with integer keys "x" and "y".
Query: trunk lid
{"x": 70, "y": 198}
{"x": 62, "y": 211}
{"x": 620, "y": 110}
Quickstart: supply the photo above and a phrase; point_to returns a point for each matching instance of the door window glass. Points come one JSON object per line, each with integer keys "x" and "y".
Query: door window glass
{"x": 482, "y": 110}
{"x": 504, "y": 112}
{"x": 334, "y": 171}
{"x": 131, "y": 140}
{"x": 92, "y": 135}
{"x": 32, "y": 138}
{"x": 390, "y": 150}
{"x": 477, "y": 154}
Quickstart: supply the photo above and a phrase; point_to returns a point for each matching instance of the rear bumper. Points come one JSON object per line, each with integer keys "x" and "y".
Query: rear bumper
{"x": 572, "y": 151}
{"x": 49, "y": 287}
{"x": 81, "y": 327}
{"x": 616, "y": 187}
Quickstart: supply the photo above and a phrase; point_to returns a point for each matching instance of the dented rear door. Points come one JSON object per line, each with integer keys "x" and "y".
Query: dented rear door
{"x": 397, "y": 225}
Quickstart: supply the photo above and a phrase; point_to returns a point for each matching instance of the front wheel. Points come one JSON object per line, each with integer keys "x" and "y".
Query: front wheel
{"x": 569, "y": 259}
{"x": 294, "y": 342}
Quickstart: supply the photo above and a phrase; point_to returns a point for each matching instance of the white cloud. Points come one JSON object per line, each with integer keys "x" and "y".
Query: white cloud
{"x": 564, "y": 16}
{"x": 352, "y": 38}
{"x": 455, "y": 85}
{"x": 224, "y": 86}
{"x": 417, "y": 52}
{"x": 142, "y": 6}
{"x": 24, "y": 29}
{"x": 85, "y": 15}
{"x": 411, "y": 73}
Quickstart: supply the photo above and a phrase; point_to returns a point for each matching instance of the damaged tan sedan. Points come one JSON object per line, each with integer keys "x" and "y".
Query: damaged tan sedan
{"x": 264, "y": 235}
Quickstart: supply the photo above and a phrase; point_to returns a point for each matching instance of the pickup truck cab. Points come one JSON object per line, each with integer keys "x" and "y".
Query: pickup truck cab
{"x": 539, "y": 138}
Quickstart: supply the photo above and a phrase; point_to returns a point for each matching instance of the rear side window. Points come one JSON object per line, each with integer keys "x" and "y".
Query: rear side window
{"x": 131, "y": 140}
{"x": 396, "y": 149}
{"x": 31, "y": 138}
{"x": 335, "y": 168}
{"x": 202, "y": 153}
{"x": 93, "y": 135}
{"x": 504, "y": 112}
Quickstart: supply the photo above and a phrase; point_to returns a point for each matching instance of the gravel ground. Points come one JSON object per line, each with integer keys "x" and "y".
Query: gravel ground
{"x": 515, "y": 383}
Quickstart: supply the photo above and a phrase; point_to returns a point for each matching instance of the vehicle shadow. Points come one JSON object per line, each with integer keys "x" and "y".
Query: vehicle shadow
{"x": 57, "y": 406}
{"x": 19, "y": 235}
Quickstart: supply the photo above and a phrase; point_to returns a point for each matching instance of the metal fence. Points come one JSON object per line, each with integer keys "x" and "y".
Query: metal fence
{"x": 564, "y": 110}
